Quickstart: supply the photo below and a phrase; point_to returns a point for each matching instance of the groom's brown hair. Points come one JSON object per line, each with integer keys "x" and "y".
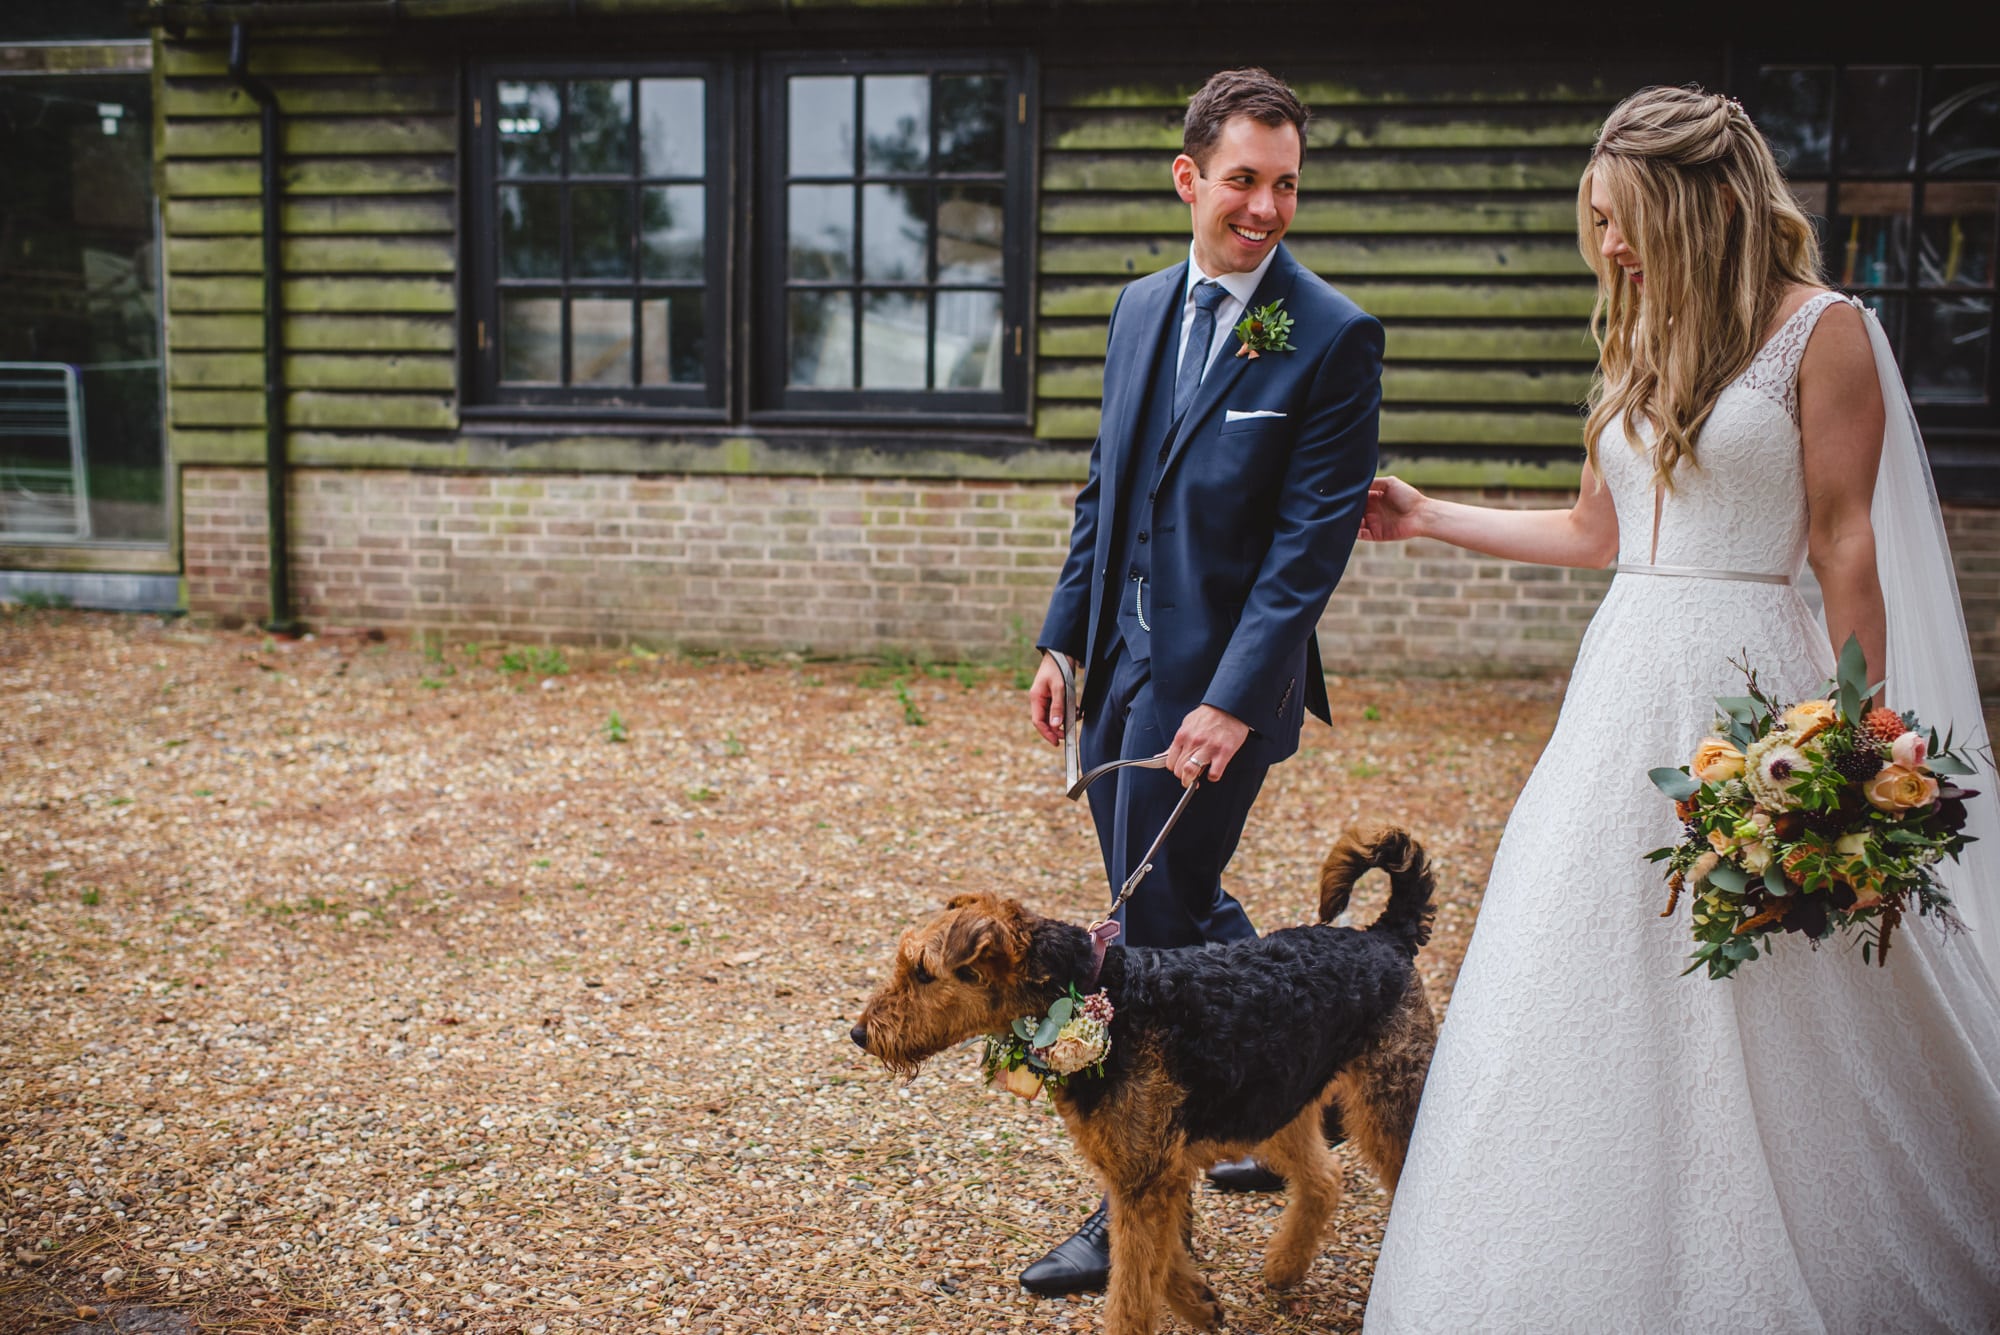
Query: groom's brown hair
{"x": 1253, "y": 92}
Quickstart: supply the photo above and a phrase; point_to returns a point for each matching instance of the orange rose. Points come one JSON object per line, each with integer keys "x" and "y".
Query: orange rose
{"x": 1809, "y": 718}
{"x": 1896, "y": 789}
{"x": 1716, "y": 760}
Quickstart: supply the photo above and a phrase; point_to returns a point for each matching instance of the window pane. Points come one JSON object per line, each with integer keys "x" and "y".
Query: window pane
{"x": 971, "y": 224}
{"x": 894, "y": 340}
{"x": 531, "y": 339}
{"x": 895, "y": 233}
{"x": 672, "y": 223}
{"x": 969, "y": 340}
{"x": 671, "y": 350}
{"x": 822, "y": 125}
{"x": 1955, "y": 246}
{"x": 600, "y": 341}
{"x": 600, "y": 231}
{"x": 821, "y": 340}
{"x": 820, "y": 228}
{"x": 1964, "y": 122}
{"x": 1878, "y": 119}
{"x": 1950, "y": 341}
{"x": 1795, "y": 113}
{"x": 971, "y": 124}
{"x": 600, "y": 128}
{"x": 898, "y": 120}
{"x": 1870, "y": 233}
{"x": 530, "y": 231}
{"x": 673, "y": 137}
{"x": 530, "y": 126}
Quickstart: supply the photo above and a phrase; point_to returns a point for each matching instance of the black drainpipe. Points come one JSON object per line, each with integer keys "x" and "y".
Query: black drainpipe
{"x": 280, "y": 620}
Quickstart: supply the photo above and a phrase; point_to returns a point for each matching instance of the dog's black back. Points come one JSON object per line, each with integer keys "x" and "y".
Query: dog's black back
{"x": 1252, "y": 1030}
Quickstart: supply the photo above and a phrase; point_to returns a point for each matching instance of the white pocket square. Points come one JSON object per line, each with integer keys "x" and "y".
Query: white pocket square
{"x": 1234, "y": 415}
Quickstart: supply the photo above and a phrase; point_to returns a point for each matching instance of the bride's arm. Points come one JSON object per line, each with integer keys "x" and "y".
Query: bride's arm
{"x": 1840, "y": 424}
{"x": 1585, "y": 535}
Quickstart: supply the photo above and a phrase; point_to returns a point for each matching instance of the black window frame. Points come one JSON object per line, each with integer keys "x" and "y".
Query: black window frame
{"x": 745, "y": 316}
{"x": 708, "y": 401}
{"x": 772, "y": 399}
{"x": 1963, "y": 436}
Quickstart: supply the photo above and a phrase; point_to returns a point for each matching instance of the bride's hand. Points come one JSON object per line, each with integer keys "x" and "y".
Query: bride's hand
{"x": 1392, "y": 513}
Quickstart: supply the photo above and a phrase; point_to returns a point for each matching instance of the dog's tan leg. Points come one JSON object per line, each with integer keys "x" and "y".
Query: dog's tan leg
{"x": 1379, "y": 1091}
{"x": 1145, "y": 1234}
{"x": 1312, "y": 1187}
{"x": 1188, "y": 1294}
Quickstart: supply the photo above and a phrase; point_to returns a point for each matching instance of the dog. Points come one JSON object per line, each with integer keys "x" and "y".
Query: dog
{"x": 1215, "y": 1052}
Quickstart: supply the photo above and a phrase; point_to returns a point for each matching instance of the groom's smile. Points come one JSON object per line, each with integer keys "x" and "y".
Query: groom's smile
{"x": 1243, "y": 197}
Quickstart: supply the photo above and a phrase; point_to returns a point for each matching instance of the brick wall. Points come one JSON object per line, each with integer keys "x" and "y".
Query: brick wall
{"x": 842, "y": 566}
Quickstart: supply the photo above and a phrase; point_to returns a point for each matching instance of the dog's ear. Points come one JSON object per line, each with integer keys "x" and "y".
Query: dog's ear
{"x": 984, "y": 947}
{"x": 960, "y": 901}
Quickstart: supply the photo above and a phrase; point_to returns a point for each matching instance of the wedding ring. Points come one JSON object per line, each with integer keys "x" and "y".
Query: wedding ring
{"x": 1196, "y": 761}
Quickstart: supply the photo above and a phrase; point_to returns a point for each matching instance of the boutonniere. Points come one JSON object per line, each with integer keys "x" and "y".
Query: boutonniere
{"x": 1074, "y": 1036}
{"x": 1266, "y": 330}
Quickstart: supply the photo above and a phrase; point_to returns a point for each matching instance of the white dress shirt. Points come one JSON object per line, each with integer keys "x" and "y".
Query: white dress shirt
{"x": 1240, "y": 287}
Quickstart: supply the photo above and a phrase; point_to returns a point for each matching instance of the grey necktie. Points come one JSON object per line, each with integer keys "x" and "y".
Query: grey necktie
{"x": 1208, "y": 294}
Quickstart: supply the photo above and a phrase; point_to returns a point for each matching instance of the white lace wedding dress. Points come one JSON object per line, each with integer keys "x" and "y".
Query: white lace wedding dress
{"x": 1607, "y": 1146}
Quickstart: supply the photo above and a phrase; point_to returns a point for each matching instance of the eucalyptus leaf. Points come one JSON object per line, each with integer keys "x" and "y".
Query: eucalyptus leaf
{"x": 1732, "y": 879}
{"x": 1774, "y": 881}
{"x": 1742, "y": 708}
{"x": 1853, "y": 667}
{"x": 1675, "y": 783}
{"x": 1047, "y": 1033}
{"x": 1949, "y": 765}
{"x": 1023, "y": 1030}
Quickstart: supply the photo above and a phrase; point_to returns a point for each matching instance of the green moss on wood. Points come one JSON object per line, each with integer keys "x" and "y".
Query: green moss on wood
{"x": 1564, "y": 474}
{"x": 215, "y": 370}
{"x": 342, "y": 136}
{"x": 215, "y": 294}
{"x": 347, "y": 371}
{"x": 352, "y": 96}
{"x": 315, "y": 56}
{"x": 190, "y": 332}
{"x": 318, "y": 408}
{"x": 230, "y": 177}
{"x": 323, "y": 332}
{"x": 405, "y": 215}
{"x": 356, "y": 293}
{"x": 1490, "y": 343}
{"x": 1071, "y": 340}
{"x": 1412, "y": 385}
{"x": 215, "y": 407}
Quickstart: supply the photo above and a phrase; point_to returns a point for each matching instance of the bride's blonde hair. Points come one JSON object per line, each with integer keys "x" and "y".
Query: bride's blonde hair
{"x": 1701, "y": 203}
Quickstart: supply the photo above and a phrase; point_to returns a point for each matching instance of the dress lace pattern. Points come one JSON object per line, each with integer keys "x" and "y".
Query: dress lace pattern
{"x": 1607, "y": 1146}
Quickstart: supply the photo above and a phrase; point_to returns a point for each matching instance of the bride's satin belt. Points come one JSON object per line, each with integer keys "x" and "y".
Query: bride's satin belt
{"x": 1699, "y": 572}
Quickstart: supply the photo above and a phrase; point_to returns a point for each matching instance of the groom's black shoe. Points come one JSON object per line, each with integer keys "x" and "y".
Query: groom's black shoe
{"x": 1244, "y": 1175}
{"x": 1080, "y": 1263}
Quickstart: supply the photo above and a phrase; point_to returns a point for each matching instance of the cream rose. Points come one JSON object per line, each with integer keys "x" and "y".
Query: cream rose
{"x": 1716, "y": 760}
{"x": 1898, "y": 788}
{"x": 1910, "y": 750}
{"x": 1755, "y": 856}
{"x": 1808, "y": 719}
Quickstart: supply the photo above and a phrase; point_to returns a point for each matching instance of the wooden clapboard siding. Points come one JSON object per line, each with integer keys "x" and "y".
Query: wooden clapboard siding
{"x": 368, "y": 217}
{"x": 1441, "y": 198}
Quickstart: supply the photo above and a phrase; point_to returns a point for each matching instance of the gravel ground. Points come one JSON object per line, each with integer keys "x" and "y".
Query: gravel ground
{"x": 353, "y": 987}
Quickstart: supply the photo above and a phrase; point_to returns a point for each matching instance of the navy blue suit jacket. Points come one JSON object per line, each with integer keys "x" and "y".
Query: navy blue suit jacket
{"x": 1254, "y": 519}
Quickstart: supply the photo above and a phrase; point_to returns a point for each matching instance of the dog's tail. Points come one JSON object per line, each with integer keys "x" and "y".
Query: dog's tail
{"x": 1411, "y": 885}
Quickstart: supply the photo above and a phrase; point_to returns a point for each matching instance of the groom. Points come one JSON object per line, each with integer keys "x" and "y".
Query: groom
{"x": 1224, "y": 495}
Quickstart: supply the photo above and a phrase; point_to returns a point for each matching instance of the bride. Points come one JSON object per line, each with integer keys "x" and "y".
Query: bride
{"x": 1605, "y": 1145}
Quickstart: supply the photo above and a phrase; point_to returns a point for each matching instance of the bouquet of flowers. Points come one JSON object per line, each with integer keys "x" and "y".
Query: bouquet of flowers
{"x": 1819, "y": 817}
{"x": 1074, "y": 1036}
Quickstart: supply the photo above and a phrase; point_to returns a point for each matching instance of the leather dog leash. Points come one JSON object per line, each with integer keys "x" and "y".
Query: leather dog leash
{"x": 1104, "y": 930}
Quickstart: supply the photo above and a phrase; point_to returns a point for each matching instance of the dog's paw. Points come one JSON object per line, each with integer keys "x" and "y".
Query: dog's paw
{"x": 1196, "y": 1304}
{"x": 1282, "y": 1271}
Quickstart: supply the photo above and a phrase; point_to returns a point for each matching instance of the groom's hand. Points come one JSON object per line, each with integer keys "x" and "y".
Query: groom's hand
{"x": 1209, "y": 736}
{"x": 1045, "y": 700}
